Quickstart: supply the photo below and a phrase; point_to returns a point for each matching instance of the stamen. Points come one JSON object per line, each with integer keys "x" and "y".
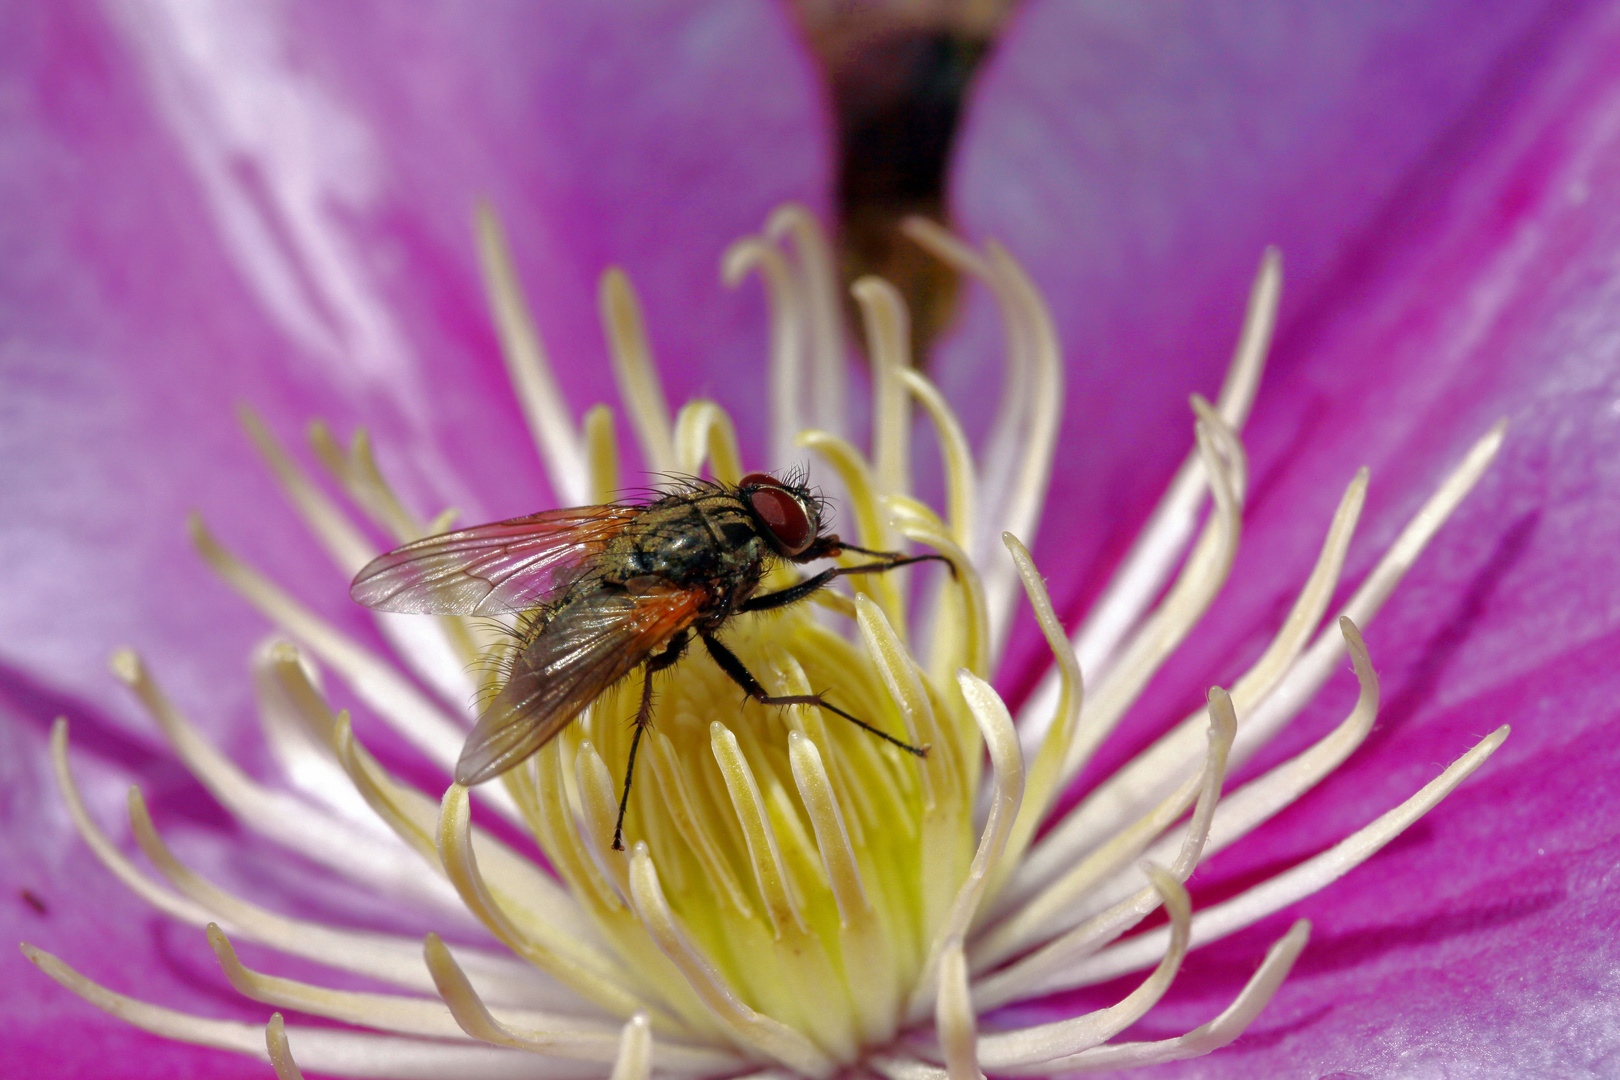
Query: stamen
{"x": 940, "y": 770}
{"x": 1006, "y": 793}
{"x": 1148, "y": 776}
{"x": 1042, "y": 784}
{"x": 355, "y": 470}
{"x": 349, "y": 548}
{"x": 376, "y": 682}
{"x": 1147, "y": 566}
{"x": 385, "y": 1012}
{"x": 1174, "y": 618}
{"x": 1308, "y": 877}
{"x": 366, "y": 856}
{"x": 703, "y": 432}
{"x": 598, "y": 978}
{"x": 960, "y": 494}
{"x": 602, "y": 448}
{"x": 635, "y": 1058}
{"x": 550, "y": 422}
{"x": 599, "y": 806}
{"x": 953, "y": 1016}
{"x": 755, "y": 1031}
{"x": 692, "y": 826}
{"x": 639, "y": 385}
{"x": 275, "y": 1043}
{"x": 888, "y": 347}
{"x": 832, "y": 840}
{"x": 760, "y": 838}
{"x": 828, "y": 395}
{"x": 1255, "y": 996}
{"x": 1029, "y": 1051}
{"x": 1053, "y": 909}
{"x": 787, "y": 335}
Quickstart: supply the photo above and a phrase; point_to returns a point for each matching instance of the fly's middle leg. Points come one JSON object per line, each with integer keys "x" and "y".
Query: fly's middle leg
{"x": 677, "y": 648}
{"x": 739, "y": 674}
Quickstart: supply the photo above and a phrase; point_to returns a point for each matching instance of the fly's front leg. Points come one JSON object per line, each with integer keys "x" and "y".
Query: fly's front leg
{"x": 794, "y": 593}
{"x": 677, "y": 648}
{"x": 740, "y": 675}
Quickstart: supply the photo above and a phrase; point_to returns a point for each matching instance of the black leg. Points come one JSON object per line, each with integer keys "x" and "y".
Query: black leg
{"x": 794, "y": 593}
{"x": 740, "y": 675}
{"x": 677, "y": 647}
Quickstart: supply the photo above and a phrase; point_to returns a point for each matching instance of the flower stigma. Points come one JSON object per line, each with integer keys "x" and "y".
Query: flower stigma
{"x": 797, "y": 897}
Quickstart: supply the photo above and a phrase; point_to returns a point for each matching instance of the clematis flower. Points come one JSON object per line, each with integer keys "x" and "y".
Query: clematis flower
{"x": 286, "y": 292}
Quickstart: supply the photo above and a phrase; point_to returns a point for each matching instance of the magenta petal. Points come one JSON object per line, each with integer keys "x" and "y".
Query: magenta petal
{"x": 271, "y": 203}
{"x": 1443, "y": 186}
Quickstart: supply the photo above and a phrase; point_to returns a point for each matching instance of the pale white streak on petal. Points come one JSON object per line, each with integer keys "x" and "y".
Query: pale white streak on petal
{"x": 1159, "y": 634}
{"x": 1311, "y": 670}
{"x": 764, "y": 855}
{"x": 787, "y": 336}
{"x": 1300, "y": 881}
{"x": 888, "y": 345}
{"x": 602, "y": 448}
{"x": 760, "y": 1035}
{"x": 961, "y": 495}
{"x": 275, "y": 1043}
{"x": 689, "y": 824}
{"x": 703, "y": 432}
{"x": 523, "y": 927}
{"x": 1019, "y": 509}
{"x": 1159, "y": 546}
{"x": 346, "y": 544}
{"x": 355, "y": 470}
{"x": 957, "y": 1027}
{"x": 1153, "y": 772}
{"x": 368, "y": 856}
{"x": 325, "y": 1050}
{"x": 1007, "y": 793}
{"x": 1232, "y": 1022}
{"x": 421, "y": 1016}
{"x": 1041, "y": 786}
{"x": 828, "y": 394}
{"x": 382, "y": 956}
{"x": 635, "y": 1058}
{"x": 552, "y": 1036}
{"x": 1029, "y": 1051}
{"x": 1060, "y": 905}
{"x": 1046, "y": 967}
{"x": 639, "y": 386}
{"x": 377, "y": 683}
{"x": 551, "y": 422}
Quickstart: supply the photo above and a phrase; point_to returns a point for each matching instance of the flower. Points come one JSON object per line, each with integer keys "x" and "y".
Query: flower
{"x": 1044, "y": 565}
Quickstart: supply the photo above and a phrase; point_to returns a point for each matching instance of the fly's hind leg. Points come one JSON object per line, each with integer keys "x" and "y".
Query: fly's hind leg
{"x": 677, "y": 647}
{"x": 740, "y": 675}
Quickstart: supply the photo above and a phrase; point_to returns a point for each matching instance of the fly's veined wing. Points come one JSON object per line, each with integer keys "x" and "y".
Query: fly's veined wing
{"x": 590, "y": 643}
{"x": 489, "y": 569}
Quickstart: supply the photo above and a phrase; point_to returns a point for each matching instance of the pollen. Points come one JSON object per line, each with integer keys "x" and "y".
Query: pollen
{"x": 797, "y": 895}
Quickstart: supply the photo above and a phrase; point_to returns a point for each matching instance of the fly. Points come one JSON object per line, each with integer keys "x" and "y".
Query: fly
{"x": 604, "y": 590}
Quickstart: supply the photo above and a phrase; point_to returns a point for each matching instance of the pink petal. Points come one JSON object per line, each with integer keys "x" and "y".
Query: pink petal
{"x": 1442, "y": 185}
{"x": 271, "y": 203}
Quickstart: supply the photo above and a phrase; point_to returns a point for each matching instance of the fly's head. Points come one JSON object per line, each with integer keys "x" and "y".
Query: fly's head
{"x": 789, "y": 515}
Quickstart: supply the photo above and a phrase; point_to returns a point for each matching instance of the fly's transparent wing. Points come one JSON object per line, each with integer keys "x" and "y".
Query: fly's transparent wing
{"x": 490, "y": 569}
{"x": 590, "y": 642}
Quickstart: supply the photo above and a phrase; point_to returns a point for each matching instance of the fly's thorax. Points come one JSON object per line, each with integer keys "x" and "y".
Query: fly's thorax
{"x": 700, "y": 540}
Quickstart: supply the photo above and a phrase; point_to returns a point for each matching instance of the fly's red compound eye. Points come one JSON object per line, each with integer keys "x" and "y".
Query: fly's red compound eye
{"x": 782, "y": 512}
